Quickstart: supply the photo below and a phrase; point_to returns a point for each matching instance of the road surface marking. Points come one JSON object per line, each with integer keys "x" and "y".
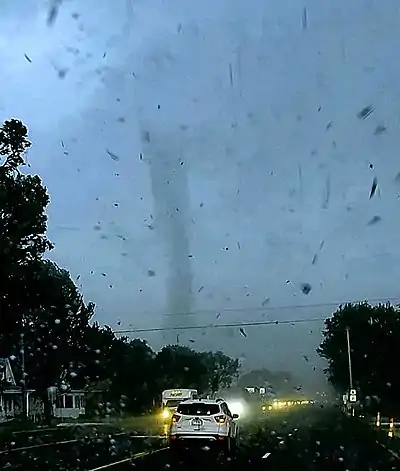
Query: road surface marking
{"x": 132, "y": 458}
{"x": 41, "y": 445}
{"x": 266, "y": 455}
{"x": 393, "y": 453}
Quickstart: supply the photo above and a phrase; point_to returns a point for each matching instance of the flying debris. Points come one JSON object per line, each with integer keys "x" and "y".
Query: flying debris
{"x": 374, "y": 220}
{"x": 314, "y": 260}
{"x": 305, "y": 288}
{"x": 265, "y": 302}
{"x": 28, "y": 58}
{"x": 62, "y": 73}
{"x": 243, "y": 332}
{"x": 53, "y": 12}
{"x": 304, "y": 19}
{"x": 373, "y": 188}
{"x": 112, "y": 155}
{"x": 380, "y": 129}
{"x": 230, "y": 75}
{"x": 365, "y": 112}
{"x": 146, "y": 136}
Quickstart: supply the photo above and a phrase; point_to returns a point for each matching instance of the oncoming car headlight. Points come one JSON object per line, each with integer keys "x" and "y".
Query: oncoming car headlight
{"x": 236, "y": 407}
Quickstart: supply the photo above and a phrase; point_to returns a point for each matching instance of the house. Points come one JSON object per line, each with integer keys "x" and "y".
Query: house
{"x": 10, "y": 392}
{"x": 70, "y": 404}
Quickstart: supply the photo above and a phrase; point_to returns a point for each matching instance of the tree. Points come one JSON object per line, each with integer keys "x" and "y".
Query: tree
{"x": 221, "y": 370}
{"x": 23, "y": 200}
{"x": 374, "y": 338}
{"x": 177, "y": 366}
{"x": 133, "y": 386}
{"x": 54, "y": 330}
{"x": 181, "y": 367}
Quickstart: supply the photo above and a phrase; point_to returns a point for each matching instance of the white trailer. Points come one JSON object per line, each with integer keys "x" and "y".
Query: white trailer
{"x": 171, "y": 398}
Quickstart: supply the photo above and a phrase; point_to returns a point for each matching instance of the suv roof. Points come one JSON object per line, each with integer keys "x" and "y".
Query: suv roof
{"x": 204, "y": 401}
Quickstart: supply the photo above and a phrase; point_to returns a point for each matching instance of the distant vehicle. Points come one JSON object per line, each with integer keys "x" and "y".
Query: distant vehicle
{"x": 171, "y": 398}
{"x": 203, "y": 421}
{"x": 280, "y": 404}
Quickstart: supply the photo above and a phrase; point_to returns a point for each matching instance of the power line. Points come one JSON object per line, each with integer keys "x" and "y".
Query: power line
{"x": 215, "y": 326}
{"x": 279, "y": 308}
{"x": 252, "y": 323}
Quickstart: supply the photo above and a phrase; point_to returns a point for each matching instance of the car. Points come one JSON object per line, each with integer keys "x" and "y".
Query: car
{"x": 203, "y": 422}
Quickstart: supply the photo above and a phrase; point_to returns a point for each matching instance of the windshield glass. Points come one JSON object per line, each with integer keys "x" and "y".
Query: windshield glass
{"x": 199, "y": 195}
{"x": 198, "y": 409}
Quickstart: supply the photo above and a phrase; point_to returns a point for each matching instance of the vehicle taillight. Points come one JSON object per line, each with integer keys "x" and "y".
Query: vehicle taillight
{"x": 175, "y": 418}
{"x": 220, "y": 419}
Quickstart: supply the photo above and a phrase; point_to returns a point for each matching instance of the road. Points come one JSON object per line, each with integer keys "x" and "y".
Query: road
{"x": 316, "y": 438}
{"x": 310, "y": 438}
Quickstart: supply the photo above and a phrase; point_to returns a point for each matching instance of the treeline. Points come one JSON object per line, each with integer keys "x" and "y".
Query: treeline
{"x": 374, "y": 338}
{"x": 45, "y": 327}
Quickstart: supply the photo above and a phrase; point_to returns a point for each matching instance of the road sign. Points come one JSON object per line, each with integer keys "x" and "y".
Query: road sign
{"x": 353, "y": 392}
{"x": 353, "y": 398}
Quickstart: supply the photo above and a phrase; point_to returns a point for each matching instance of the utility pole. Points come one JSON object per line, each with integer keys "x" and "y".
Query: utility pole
{"x": 23, "y": 381}
{"x": 350, "y": 370}
{"x": 349, "y": 357}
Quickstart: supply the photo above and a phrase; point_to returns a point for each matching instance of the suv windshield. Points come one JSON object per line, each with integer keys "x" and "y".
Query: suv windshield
{"x": 198, "y": 409}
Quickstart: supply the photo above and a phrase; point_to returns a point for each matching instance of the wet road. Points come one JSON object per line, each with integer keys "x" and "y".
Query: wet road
{"x": 310, "y": 438}
{"x": 315, "y": 438}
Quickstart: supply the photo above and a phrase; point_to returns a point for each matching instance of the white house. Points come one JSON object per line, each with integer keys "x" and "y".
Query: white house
{"x": 70, "y": 404}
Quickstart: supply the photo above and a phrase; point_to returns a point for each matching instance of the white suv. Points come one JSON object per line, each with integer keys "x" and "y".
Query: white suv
{"x": 203, "y": 421}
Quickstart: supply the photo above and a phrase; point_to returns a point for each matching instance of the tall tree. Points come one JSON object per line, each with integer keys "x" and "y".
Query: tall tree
{"x": 53, "y": 327}
{"x": 23, "y": 200}
{"x": 177, "y": 366}
{"x": 222, "y": 370}
{"x": 134, "y": 386}
{"x": 374, "y": 333}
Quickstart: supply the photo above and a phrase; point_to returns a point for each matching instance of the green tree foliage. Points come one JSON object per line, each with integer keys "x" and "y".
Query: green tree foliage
{"x": 55, "y": 332}
{"x": 222, "y": 370}
{"x": 374, "y": 339}
{"x": 178, "y": 366}
{"x": 133, "y": 384}
{"x": 23, "y": 200}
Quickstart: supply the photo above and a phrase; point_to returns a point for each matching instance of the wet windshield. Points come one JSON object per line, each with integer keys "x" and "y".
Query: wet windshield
{"x": 199, "y": 195}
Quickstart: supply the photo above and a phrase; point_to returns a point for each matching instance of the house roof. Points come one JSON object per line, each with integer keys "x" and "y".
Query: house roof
{"x": 6, "y": 373}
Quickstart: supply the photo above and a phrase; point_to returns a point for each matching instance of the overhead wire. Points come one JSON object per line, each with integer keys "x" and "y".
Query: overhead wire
{"x": 216, "y": 326}
{"x": 250, "y": 323}
{"x": 278, "y": 308}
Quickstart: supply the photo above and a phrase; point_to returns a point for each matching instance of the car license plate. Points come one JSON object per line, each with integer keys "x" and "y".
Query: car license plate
{"x": 197, "y": 422}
